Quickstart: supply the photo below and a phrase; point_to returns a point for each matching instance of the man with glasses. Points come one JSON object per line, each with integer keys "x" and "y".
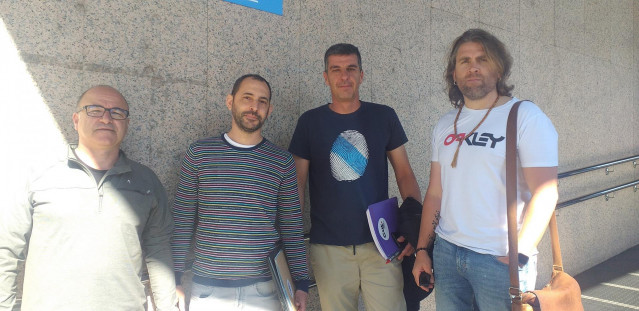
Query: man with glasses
{"x": 87, "y": 225}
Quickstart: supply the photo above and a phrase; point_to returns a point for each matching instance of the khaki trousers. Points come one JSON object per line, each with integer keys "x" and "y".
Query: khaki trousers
{"x": 343, "y": 273}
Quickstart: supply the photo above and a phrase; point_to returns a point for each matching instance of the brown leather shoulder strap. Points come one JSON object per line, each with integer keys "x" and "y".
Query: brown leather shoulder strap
{"x": 557, "y": 263}
{"x": 511, "y": 200}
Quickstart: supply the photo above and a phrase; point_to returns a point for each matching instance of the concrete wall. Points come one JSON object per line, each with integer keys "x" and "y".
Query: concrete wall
{"x": 176, "y": 60}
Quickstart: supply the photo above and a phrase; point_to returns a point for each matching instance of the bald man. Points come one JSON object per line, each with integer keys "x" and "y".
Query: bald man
{"x": 87, "y": 224}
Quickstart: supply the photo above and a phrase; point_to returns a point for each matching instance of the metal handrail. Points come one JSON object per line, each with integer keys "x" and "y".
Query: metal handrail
{"x": 596, "y": 194}
{"x": 596, "y": 167}
{"x": 602, "y": 192}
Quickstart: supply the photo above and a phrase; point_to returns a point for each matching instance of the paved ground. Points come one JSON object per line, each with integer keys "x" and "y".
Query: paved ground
{"x": 612, "y": 285}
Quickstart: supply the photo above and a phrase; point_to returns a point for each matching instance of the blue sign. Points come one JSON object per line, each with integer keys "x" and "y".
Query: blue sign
{"x": 272, "y": 6}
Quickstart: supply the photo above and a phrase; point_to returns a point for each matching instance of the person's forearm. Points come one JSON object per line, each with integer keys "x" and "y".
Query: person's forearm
{"x": 15, "y": 228}
{"x": 408, "y": 187}
{"x": 295, "y": 250}
{"x": 536, "y": 218}
{"x": 8, "y": 269}
{"x": 301, "y": 187}
{"x": 289, "y": 217}
{"x": 542, "y": 182}
{"x": 156, "y": 244}
{"x": 161, "y": 276}
{"x": 430, "y": 220}
{"x": 404, "y": 175}
{"x": 184, "y": 215}
{"x": 301, "y": 169}
{"x": 185, "y": 206}
{"x": 431, "y": 207}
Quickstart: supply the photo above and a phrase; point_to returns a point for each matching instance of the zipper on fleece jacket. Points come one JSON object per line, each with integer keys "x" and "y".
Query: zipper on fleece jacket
{"x": 98, "y": 186}
{"x": 101, "y": 196}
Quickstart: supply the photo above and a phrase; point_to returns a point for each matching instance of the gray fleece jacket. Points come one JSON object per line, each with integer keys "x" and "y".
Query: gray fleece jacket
{"x": 85, "y": 245}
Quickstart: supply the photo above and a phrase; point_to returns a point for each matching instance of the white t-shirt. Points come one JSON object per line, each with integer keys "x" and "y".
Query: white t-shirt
{"x": 473, "y": 207}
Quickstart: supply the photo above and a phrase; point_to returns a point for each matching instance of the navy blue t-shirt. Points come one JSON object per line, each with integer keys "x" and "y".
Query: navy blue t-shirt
{"x": 348, "y": 167}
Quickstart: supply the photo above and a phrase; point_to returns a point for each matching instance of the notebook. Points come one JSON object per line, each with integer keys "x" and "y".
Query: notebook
{"x": 383, "y": 221}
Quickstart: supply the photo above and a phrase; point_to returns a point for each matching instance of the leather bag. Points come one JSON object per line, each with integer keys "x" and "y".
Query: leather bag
{"x": 562, "y": 292}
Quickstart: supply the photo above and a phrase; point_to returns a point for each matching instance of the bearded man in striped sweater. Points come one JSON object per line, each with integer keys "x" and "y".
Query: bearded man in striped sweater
{"x": 238, "y": 195}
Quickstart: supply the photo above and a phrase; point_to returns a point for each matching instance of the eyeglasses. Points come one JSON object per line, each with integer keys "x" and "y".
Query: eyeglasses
{"x": 97, "y": 111}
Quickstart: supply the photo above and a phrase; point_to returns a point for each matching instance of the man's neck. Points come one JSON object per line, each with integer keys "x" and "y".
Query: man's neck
{"x": 101, "y": 159}
{"x": 345, "y": 107}
{"x": 486, "y": 101}
{"x": 244, "y": 138}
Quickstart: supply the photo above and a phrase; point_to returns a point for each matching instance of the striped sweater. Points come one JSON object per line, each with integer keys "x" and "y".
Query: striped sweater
{"x": 244, "y": 200}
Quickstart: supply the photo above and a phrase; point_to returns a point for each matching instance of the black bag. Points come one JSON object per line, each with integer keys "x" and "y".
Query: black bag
{"x": 410, "y": 216}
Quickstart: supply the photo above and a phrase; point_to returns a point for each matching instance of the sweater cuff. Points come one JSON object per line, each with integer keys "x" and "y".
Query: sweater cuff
{"x": 302, "y": 285}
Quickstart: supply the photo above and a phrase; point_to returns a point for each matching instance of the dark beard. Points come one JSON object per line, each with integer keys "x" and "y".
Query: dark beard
{"x": 240, "y": 124}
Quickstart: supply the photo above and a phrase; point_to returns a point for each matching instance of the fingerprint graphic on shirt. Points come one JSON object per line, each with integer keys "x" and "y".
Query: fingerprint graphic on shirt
{"x": 349, "y": 156}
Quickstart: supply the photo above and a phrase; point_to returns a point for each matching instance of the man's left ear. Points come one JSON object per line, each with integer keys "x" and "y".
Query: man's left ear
{"x": 229, "y": 101}
{"x": 270, "y": 109}
{"x": 75, "y": 119}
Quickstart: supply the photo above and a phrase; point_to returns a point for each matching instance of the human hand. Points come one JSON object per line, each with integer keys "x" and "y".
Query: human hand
{"x": 503, "y": 259}
{"x": 423, "y": 263}
{"x": 408, "y": 249}
{"x": 300, "y": 300}
{"x": 179, "y": 291}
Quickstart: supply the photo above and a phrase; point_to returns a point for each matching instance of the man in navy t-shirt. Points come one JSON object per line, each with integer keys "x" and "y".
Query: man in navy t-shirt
{"x": 342, "y": 148}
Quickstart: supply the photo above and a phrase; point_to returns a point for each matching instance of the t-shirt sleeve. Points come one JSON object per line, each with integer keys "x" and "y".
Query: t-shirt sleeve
{"x": 299, "y": 145}
{"x": 434, "y": 156}
{"x": 538, "y": 139}
{"x": 398, "y": 136}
